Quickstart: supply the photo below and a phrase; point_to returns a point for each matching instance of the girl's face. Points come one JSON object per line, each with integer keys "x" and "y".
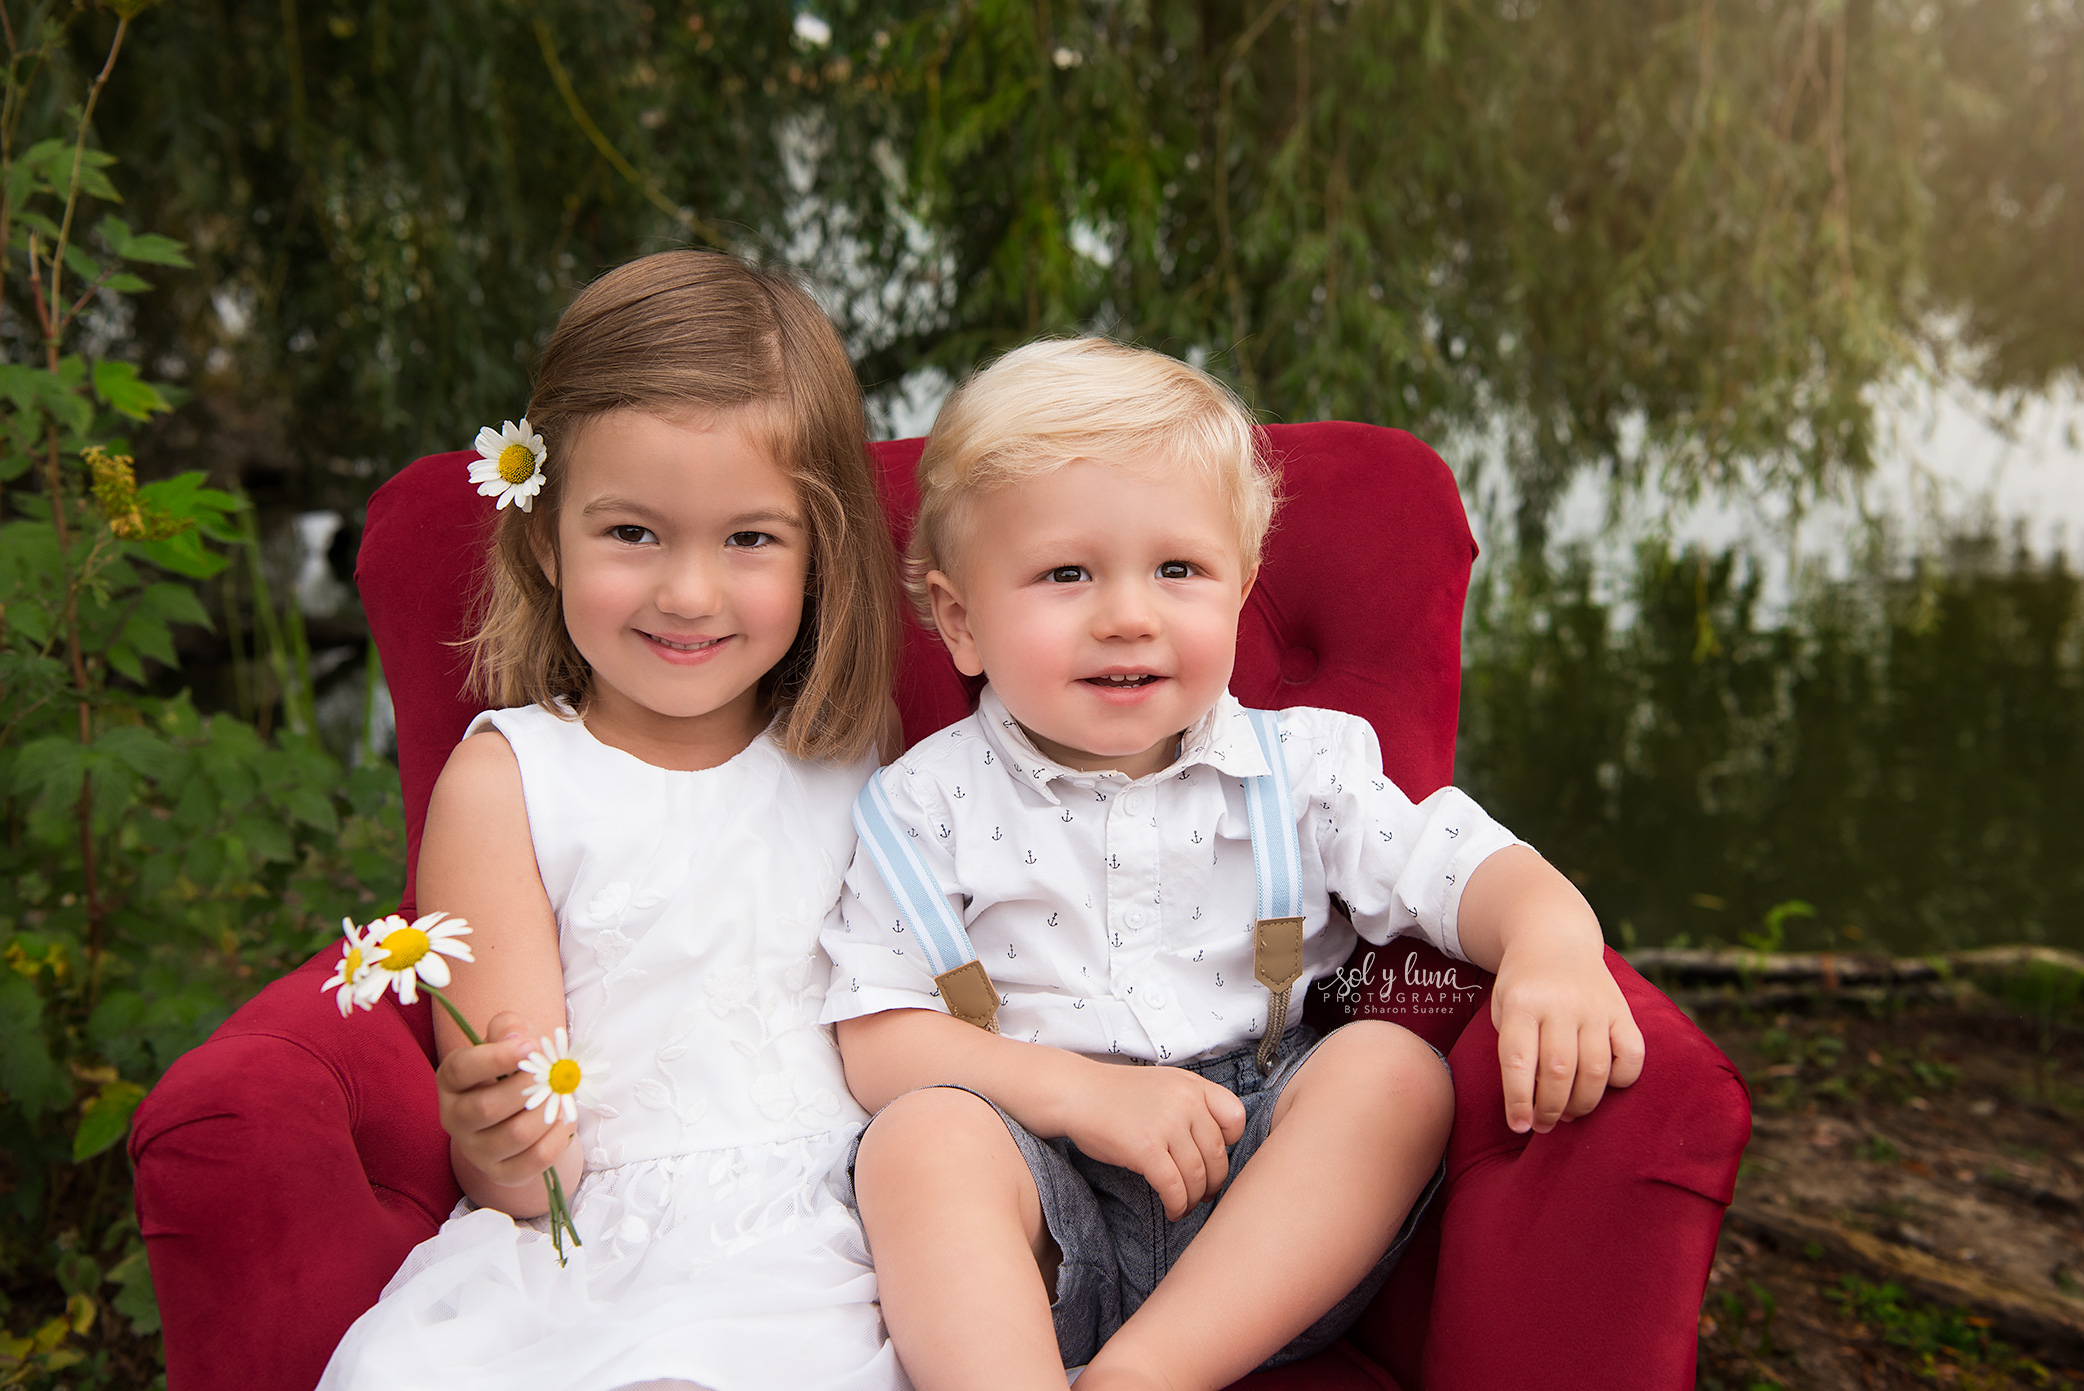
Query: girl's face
{"x": 685, "y": 552}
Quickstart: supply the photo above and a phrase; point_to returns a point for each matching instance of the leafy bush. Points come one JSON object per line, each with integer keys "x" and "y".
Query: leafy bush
{"x": 157, "y": 864}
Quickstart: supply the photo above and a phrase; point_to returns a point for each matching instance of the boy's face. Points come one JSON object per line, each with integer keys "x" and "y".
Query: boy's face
{"x": 1102, "y": 602}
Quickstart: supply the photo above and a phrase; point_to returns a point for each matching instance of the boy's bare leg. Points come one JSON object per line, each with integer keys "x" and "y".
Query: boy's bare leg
{"x": 955, "y": 1228}
{"x": 1357, "y": 1134}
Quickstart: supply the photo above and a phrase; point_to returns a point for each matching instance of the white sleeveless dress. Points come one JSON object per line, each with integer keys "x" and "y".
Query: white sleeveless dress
{"x": 718, "y": 1251}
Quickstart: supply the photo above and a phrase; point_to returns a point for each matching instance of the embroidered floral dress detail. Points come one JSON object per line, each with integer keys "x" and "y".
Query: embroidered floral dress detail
{"x": 688, "y": 909}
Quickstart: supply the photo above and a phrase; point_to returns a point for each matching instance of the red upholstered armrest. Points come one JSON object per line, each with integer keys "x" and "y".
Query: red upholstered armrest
{"x": 1576, "y": 1258}
{"x": 284, "y": 1168}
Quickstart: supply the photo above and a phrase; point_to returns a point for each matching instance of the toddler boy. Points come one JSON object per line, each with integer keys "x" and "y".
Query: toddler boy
{"x": 1035, "y": 1192}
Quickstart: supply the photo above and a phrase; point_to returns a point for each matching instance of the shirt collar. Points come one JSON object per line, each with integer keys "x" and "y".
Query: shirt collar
{"x": 1222, "y": 739}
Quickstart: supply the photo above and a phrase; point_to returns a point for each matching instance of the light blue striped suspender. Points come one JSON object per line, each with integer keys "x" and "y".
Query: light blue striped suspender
{"x": 964, "y": 985}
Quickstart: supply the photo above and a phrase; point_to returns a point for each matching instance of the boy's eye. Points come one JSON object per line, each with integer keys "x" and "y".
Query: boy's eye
{"x": 1175, "y": 570}
{"x": 1067, "y": 574}
{"x": 748, "y": 539}
{"x": 631, "y": 535}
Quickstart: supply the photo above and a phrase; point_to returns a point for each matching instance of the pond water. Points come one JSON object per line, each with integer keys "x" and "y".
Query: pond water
{"x": 1867, "y": 718}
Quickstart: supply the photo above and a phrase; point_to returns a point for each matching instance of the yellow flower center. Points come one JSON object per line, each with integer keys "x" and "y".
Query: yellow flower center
{"x": 403, "y": 949}
{"x": 352, "y": 964}
{"x": 564, "y": 1077}
{"x": 516, "y": 463}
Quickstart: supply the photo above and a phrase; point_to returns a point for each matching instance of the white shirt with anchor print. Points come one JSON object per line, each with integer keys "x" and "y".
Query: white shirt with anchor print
{"x": 1115, "y": 916}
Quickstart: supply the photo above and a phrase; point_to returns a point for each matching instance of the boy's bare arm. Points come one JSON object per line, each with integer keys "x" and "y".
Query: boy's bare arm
{"x": 1166, "y": 1123}
{"x": 1565, "y": 1033}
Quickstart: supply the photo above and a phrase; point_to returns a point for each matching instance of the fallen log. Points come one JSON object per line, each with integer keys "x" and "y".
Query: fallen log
{"x": 1800, "y": 971}
{"x": 2039, "y": 1322}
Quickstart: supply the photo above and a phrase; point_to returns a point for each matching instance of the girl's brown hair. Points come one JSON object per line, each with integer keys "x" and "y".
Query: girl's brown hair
{"x": 697, "y": 332}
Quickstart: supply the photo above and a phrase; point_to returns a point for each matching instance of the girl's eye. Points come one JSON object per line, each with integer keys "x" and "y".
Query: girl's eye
{"x": 748, "y": 540}
{"x": 1175, "y": 570}
{"x": 1067, "y": 574}
{"x": 631, "y": 535}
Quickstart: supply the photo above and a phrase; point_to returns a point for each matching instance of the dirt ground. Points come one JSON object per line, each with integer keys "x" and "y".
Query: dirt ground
{"x": 1910, "y": 1212}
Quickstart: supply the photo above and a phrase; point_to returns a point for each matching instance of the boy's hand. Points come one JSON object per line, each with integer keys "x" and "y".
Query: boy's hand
{"x": 1565, "y": 1033}
{"x": 480, "y": 1090}
{"x": 1163, "y": 1122}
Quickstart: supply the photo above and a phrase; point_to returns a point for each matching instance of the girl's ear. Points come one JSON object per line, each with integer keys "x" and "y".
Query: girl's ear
{"x": 1251, "y": 578}
{"x": 545, "y": 553}
{"x": 951, "y": 619}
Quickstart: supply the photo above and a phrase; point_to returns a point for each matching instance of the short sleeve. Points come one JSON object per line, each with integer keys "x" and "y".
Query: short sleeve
{"x": 1400, "y": 866}
{"x": 877, "y": 964}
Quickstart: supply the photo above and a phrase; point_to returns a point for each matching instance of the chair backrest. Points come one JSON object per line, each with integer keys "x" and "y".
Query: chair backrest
{"x": 1358, "y": 605}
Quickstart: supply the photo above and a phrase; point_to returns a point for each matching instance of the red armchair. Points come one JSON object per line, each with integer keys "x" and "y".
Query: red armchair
{"x": 285, "y": 1167}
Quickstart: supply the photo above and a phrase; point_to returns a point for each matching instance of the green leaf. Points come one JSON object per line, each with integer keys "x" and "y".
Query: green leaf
{"x": 142, "y": 751}
{"x": 51, "y": 768}
{"x": 106, "y": 1119}
{"x": 123, "y": 659}
{"x": 156, "y": 250}
{"x": 267, "y": 840}
{"x": 49, "y": 160}
{"x": 82, "y": 265}
{"x": 115, "y": 231}
{"x": 135, "y": 1300}
{"x": 36, "y": 221}
{"x": 177, "y": 603}
{"x": 21, "y": 178}
{"x": 312, "y": 807}
{"x": 32, "y": 389}
{"x": 93, "y": 182}
{"x": 185, "y": 496}
{"x": 27, "y": 1074}
{"x": 118, "y": 384}
{"x": 119, "y": 1018}
{"x": 184, "y": 555}
{"x": 124, "y": 283}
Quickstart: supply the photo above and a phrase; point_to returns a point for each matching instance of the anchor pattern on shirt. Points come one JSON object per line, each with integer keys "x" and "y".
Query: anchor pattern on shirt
{"x": 992, "y": 837}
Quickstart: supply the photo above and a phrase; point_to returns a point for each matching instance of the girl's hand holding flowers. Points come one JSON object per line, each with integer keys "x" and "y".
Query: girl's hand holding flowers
{"x": 487, "y": 1090}
{"x": 484, "y": 1095}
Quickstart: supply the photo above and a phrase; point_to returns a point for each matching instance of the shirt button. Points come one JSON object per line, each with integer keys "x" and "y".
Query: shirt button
{"x": 1154, "y": 997}
{"x": 1134, "y": 917}
{"x": 1136, "y": 801}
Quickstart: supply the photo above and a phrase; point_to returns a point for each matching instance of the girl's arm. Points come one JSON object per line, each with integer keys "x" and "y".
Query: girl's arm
{"x": 478, "y": 862}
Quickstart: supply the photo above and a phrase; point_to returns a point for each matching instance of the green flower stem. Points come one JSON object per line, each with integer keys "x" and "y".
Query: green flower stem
{"x": 455, "y": 1014}
{"x": 560, "y": 1211}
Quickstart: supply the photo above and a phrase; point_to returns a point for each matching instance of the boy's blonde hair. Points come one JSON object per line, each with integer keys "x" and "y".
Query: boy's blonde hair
{"x": 695, "y": 333}
{"x": 1047, "y": 404}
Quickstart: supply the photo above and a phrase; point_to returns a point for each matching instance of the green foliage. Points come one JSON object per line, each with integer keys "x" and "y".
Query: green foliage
{"x": 1774, "y": 937}
{"x": 1944, "y": 1341}
{"x": 1899, "y": 748}
{"x": 157, "y": 863}
{"x": 1664, "y": 237}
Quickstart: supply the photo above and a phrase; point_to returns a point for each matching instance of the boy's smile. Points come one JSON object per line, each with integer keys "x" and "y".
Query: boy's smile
{"x": 1101, "y": 600}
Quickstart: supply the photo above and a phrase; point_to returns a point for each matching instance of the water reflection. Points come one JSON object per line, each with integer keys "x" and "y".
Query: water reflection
{"x": 1896, "y": 743}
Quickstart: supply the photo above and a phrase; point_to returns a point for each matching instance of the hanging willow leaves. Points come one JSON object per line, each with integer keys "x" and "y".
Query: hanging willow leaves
{"x": 1680, "y": 236}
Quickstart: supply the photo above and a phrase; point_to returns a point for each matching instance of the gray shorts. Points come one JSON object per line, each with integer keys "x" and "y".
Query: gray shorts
{"x": 1116, "y": 1241}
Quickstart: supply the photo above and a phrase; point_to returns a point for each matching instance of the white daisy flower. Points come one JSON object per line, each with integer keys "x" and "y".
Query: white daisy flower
{"x": 510, "y": 464}
{"x": 565, "y": 1078}
{"x": 354, "y": 952}
{"x": 399, "y": 955}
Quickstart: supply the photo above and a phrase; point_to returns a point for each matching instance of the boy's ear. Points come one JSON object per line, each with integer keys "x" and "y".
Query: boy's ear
{"x": 951, "y": 619}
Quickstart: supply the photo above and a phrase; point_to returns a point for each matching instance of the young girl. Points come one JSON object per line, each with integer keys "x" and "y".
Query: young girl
{"x": 692, "y": 625}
